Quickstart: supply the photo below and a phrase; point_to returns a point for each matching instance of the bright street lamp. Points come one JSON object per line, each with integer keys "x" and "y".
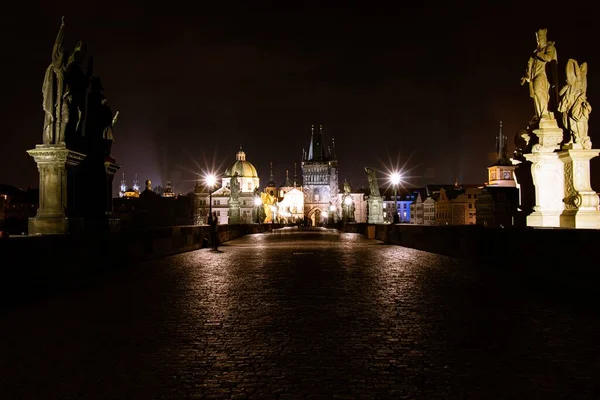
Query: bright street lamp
{"x": 395, "y": 179}
{"x": 273, "y": 211}
{"x": 210, "y": 182}
{"x": 257, "y": 203}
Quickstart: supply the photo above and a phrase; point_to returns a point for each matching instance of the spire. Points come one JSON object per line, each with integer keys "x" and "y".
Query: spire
{"x": 295, "y": 175}
{"x": 333, "y": 155}
{"x": 502, "y": 147}
{"x": 136, "y": 184}
{"x": 315, "y": 151}
{"x": 123, "y": 186}
{"x": 271, "y": 181}
{"x": 288, "y": 182}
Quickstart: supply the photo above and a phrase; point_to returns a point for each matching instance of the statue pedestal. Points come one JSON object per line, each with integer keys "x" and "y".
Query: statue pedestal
{"x": 375, "y": 209}
{"x": 234, "y": 212}
{"x": 52, "y": 162}
{"x": 111, "y": 170}
{"x": 547, "y": 171}
{"x": 581, "y": 202}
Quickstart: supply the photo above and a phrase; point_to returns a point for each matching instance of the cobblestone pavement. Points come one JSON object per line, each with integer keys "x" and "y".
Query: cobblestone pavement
{"x": 313, "y": 315}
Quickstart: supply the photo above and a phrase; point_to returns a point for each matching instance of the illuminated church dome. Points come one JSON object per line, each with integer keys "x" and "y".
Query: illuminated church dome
{"x": 246, "y": 173}
{"x": 243, "y": 168}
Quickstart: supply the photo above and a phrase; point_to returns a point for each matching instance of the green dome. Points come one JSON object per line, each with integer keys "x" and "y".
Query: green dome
{"x": 243, "y": 168}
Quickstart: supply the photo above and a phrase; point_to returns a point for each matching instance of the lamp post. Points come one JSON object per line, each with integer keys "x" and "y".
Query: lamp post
{"x": 273, "y": 211}
{"x": 395, "y": 179}
{"x": 348, "y": 203}
{"x": 332, "y": 214}
{"x": 210, "y": 182}
{"x": 257, "y": 203}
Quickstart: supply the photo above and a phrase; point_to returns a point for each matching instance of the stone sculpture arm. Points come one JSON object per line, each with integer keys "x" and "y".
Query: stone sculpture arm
{"x": 58, "y": 48}
{"x": 548, "y": 53}
{"x": 527, "y": 77}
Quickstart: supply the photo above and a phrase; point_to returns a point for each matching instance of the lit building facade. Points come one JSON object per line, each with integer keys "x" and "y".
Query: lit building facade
{"x": 248, "y": 181}
{"x": 320, "y": 180}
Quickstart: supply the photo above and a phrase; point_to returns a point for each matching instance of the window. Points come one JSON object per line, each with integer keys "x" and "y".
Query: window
{"x": 316, "y": 197}
{"x": 249, "y": 186}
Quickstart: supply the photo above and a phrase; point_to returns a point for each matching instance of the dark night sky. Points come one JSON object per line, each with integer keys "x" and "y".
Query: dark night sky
{"x": 418, "y": 87}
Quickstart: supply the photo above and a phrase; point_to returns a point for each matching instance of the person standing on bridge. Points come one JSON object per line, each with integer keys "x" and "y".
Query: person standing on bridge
{"x": 214, "y": 221}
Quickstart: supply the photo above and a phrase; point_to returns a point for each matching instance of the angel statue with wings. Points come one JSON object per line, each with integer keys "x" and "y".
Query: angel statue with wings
{"x": 574, "y": 105}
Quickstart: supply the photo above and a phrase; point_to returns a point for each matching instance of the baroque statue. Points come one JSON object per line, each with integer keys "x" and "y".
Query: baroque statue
{"x": 76, "y": 112}
{"x": 235, "y": 187}
{"x": 539, "y": 85}
{"x": 55, "y": 102}
{"x": 373, "y": 185}
{"x": 99, "y": 118}
{"x": 348, "y": 207}
{"x": 574, "y": 105}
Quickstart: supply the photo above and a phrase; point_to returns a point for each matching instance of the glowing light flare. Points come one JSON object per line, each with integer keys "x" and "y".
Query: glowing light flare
{"x": 210, "y": 180}
{"x": 395, "y": 178}
{"x": 348, "y": 200}
{"x": 257, "y": 201}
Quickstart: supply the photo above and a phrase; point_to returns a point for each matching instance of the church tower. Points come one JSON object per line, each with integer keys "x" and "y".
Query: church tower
{"x": 320, "y": 179}
{"x": 501, "y": 172}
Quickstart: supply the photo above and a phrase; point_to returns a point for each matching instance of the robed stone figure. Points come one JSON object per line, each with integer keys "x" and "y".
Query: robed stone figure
{"x": 53, "y": 90}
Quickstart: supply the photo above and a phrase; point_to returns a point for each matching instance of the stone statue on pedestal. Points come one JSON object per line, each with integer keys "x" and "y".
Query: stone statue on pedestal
{"x": 234, "y": 204}
{"x": 373, "y": 185}
{"x": 235, "y": 187}
{"x": 574, "y": 105}
{"x": 75, "y": 169}
{"x": 348, "y": 207}
{"x": 374, "y": 202}
{"x": 536, "y": 76}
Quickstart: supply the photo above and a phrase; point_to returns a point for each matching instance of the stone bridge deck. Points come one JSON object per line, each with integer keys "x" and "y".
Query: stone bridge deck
{"x": 295, "y": 315}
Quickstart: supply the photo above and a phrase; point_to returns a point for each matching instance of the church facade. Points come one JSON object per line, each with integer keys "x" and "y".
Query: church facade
{"x": 248, "y": 182}
{"x": 320, "y": 183}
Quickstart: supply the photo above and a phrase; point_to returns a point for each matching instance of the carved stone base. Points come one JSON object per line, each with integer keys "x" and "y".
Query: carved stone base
{"x": 547, "y": 171}
{"x": 52, "y": 162}
{"x": 549, "y": 136}
{"x": 544, "y": 219}
{"x": 111, "y": 170}
{"x": 234, "y": 213}
{"x": 375, "y": 206}
{"x": 580, "y": 219}
{"x": 48, "y": 225}
{"x": 581, "y": 202}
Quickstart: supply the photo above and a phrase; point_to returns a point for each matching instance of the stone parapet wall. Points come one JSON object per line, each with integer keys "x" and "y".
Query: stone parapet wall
{"x": 34, "y": 265}
{"x": 556, "y": 254}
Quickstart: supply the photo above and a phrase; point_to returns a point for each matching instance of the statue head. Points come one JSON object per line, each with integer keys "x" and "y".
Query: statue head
{"x": 347, "y": 187}
{"x": 541, "y": 36}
